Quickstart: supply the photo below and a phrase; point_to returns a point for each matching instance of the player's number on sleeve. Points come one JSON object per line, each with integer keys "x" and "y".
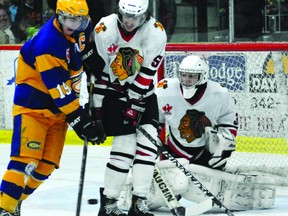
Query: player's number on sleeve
{"x": 156, "y": 61}
{"x": 63, "y": 90}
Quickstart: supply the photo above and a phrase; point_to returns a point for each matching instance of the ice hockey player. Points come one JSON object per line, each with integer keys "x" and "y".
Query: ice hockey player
{"x": 46, "y": 98}
{"x": 132, "y": 45}
{"x": 201, "y": 120}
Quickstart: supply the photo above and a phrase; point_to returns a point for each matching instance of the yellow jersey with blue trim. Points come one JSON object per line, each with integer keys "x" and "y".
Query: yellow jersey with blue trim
{"x": 49, "y": 73}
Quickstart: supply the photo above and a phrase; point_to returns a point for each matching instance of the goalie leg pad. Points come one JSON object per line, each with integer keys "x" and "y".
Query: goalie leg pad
{"x": 234, "y": 191}
{"x": 246, "y": 197}
{"x": 175, "y": 179}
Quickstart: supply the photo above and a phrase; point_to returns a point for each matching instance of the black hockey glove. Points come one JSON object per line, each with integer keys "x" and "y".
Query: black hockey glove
{"x": 97, "y": 116}
{"x": 133, "y": 111}
{"x": 80, "y": 121}
{"x": 92, "y": 61}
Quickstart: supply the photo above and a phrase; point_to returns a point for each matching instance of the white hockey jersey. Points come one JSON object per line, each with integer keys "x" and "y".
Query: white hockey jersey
{"x": 215, "y": 101}
{"x": 130, "y": 60}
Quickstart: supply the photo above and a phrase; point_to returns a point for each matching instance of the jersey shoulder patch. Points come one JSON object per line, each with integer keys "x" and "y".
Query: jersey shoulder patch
{"x": 162, "y": 84}
{"x": 168, "y": 83}
{"x": 168, "y": 86}
{"x": 105, "y": 24}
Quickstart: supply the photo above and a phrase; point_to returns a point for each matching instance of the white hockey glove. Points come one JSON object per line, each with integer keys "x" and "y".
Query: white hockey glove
{"x": 220, "y": 143}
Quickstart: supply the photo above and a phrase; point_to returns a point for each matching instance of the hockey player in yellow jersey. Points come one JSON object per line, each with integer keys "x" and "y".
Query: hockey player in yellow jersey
{"x": 46, "y": 99}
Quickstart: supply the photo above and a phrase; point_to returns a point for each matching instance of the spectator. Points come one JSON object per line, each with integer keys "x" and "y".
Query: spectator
{"x": 28, "y": 28}
{"x": 48, "y": 13}
{"x": 5, "y": 3}
{"x": 21, "y": 12}
{"x": 32, "y": 9}
{"x": 6, "y": 30}
{"x": 13, "y": 8}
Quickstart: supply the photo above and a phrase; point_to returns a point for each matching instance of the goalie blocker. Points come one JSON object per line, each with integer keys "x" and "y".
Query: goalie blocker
{"x": 235, "y": 191}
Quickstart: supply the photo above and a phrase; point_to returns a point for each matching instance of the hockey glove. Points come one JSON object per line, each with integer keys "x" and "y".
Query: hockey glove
{"x": 97, "y": 116}
{"x": 92, "y": 61}
{"x": 99, "y": 125}
{"x": 95, "y": 113}
{"x": 220, "y": 143}
{"x": 80, "y": 121}
{"x": 133, "y": 111}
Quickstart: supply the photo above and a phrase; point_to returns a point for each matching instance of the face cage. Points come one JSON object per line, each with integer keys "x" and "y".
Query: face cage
{"x": 187, "y": 81}
{"x": 76, "y": 23}
{"x": 139, "y": 18}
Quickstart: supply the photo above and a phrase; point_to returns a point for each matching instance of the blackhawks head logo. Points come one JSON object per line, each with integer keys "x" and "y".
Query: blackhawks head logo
{"x": 126, "y": 63}
{"x": 192, "y": 125}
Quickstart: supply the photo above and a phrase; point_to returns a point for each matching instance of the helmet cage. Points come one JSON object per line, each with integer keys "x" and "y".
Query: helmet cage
{"x": 74, "y": 22}
{"x": 191, "y": 78}
{"x": 134, "y": 12}
{"x": 135, "y": 21}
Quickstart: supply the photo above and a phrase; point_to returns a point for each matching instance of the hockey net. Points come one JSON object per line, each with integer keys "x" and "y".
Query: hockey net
{"x": 256, "y": 75}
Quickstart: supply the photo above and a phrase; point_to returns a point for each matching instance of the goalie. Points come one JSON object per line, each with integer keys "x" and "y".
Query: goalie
{"x": 201, "y": 122}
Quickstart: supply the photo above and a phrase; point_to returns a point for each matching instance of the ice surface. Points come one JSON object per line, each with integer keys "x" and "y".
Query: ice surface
{"x": 58, "y": 195}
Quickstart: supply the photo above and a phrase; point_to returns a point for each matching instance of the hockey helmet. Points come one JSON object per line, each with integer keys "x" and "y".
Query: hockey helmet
{"x": 193, "y": 71}
{"x": 73, "y": 14}
{"x": 132, "y": 13}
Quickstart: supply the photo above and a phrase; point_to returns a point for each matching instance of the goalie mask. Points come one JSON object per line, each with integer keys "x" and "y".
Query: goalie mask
{"x": 193, "y": 71}
{"x": 73, "y": 14}
{"x": 132, "y": 13}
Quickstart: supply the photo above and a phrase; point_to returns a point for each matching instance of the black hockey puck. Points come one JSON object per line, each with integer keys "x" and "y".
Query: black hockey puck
{"x": 92, "y": 201}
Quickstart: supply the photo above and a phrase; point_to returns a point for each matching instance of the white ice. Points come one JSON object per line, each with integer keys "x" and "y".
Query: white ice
{"x": 58, "y": 195}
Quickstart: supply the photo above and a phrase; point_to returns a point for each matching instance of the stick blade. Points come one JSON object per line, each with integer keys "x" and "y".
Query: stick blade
{"x": 179, "y": 211}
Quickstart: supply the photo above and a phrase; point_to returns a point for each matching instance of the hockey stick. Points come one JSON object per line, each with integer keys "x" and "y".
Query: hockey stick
{"x": 84, "y": 154}
{"x": 167, "y": 193}
{"x": 176, "y": 208}
{"x": 186, "y": 172}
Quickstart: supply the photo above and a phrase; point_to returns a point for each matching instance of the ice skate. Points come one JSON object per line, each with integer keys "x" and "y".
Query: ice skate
{"x": 5, "y": 213}
{"x": 109, "y": 206}
{"x": 18, "y": 209}
{"x": 138, "y": 207}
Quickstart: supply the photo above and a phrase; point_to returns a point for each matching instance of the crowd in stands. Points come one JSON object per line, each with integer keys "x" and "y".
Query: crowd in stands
{"x": 21, "y": 19}
{"x": 6, "y": 30}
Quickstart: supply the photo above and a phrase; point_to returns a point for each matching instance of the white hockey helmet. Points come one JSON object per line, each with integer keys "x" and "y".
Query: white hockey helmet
{"x": 132, "y": 13}
{"x": 193, "y": 71}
